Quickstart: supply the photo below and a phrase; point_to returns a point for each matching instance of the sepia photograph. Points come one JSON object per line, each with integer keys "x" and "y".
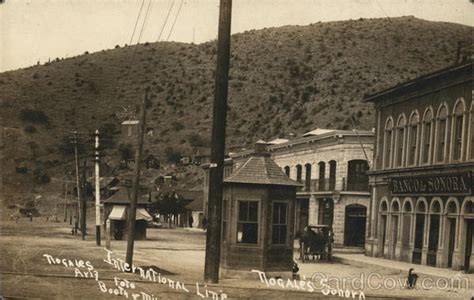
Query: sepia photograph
{"x": 246, "y": 149}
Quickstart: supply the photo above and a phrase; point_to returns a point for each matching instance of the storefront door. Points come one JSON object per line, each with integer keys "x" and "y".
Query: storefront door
{"x": 354, "y": 229}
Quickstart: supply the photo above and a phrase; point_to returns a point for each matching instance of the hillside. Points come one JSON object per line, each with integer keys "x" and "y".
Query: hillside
{"x": 283, "y": 80}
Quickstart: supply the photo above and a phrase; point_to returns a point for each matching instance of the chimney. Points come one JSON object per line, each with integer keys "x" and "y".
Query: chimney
{"x": 261, "y": 148}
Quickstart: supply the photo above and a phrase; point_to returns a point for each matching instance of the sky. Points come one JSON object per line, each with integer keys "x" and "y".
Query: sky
{"x": 38, "y": 30}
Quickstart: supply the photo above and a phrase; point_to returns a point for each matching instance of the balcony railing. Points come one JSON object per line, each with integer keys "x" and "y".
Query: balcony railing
{"x": 316, "y": 185}
{"x": 358, "y": 185}
{"x": 329, "y": 184}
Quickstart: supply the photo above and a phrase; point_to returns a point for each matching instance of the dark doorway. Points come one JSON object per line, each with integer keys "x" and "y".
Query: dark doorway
{"x": 326, "y": 211}
{"x": 468, "y": 250}
{"x": 452, "y": 237}
{"x": 354, "y": 228}
{"x": 433, "y": 240}
{"x": 419, "y": 232}
{"x": 384, "y": 233}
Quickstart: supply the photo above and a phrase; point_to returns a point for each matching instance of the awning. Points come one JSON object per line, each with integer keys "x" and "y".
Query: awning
{"x": 142, "y": 214}
{"x": 118, "y": 212}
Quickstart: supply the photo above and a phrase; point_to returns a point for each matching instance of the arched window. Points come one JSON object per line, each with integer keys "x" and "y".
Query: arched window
{"x": 332, "y": 175}
{"x": 387, "y": 143}
{"x": 287, "y": 171}
{"x": 322, "y": 171}
{"x": 307, "y": 181}
{"x": 299, "y": 171}
{"x": 426, "y": 134}
{"x": 458, "y": 129}
{"x": 441, "y": 133}
{"x": 400, "y": 141}
{"x": 413, "y": 139}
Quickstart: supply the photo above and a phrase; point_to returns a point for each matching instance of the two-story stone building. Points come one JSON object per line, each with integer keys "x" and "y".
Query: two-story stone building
{"x": 331, "y": 165}
{"x": 422, "y": 186}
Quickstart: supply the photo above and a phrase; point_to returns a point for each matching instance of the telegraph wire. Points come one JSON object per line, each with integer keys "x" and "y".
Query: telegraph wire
{"x": 175, "y": 19}
{"x": 145, "y": 19}
{"x": 136, "y": 22}
{"x": 166, "y": 21}
{"x": 383, "y": 10}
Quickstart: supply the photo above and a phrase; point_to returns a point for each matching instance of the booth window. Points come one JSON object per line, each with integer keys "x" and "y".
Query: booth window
{"x": 247, "y": 225}
{"x": 279, "y": 223}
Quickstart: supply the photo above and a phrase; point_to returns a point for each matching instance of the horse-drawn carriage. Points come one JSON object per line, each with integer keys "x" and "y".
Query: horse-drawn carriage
{"x": 316, "y": 242}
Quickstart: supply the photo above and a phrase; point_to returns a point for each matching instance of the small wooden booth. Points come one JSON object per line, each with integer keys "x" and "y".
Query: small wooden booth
{"x": 116, "y": 210}
{"x": 258, "y": 218}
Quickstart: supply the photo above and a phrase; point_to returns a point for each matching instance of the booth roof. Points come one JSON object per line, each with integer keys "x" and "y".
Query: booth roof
{"x": 261, "y": 169}
{"x": 123, "y": 196}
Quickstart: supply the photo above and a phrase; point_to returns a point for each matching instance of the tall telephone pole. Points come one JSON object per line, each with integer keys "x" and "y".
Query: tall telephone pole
{"x": 132, "y": 212}
{"x": 65, "y": 201}
{"x": 84, "y": 204}
{"x": 216, "y": 169}
{"x": 78, "y": 214}
{"x": 97, "y": 190}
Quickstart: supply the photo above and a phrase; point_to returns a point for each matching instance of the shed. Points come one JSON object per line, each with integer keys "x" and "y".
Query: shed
{"x": 116, "y": 210}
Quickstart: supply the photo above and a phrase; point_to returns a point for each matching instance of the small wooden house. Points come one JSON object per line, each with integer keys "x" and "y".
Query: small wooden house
{"x": 258, "y": 217}
{"x": 116, "y": 210}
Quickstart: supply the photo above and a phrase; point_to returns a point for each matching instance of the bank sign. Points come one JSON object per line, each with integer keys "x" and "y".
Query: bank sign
{"x": 442, "y": 184}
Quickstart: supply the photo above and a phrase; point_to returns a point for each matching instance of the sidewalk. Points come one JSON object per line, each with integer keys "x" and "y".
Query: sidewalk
{"x": 362, "y": 261}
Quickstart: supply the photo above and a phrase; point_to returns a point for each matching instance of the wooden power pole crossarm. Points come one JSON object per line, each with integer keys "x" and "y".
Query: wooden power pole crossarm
{"x": 216, "y": 171}
{"x": 132, "y": 211}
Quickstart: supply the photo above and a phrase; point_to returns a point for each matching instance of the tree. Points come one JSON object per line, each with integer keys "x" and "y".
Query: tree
{"x": 126, "y": 152}
{"x": 172, "y": 155}
{"x": 169, "y": 204}
{"x": 107, "y": 133}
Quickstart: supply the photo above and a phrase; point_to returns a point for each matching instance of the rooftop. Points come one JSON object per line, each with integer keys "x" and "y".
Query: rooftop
{"x": 419, "y": 81}
{"x": 260, "y": 169}
{"x": 130, "y": 122}
{"x": 320, "y": 134}
{"x": 123, "y": 196}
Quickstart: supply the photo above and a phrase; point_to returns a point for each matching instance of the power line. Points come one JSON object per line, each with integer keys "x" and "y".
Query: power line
{"x": 166, "y": 21}
{"x": 175, "y": 19}
{"x": 145, "y": 20}
{"x": 381, "y": 8}
{"x": 136, "y": 22}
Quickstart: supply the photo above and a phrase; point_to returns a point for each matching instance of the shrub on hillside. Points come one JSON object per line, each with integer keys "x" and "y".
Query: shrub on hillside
{"x": 196, "y": 140}
{"x": 172, "y": 155}
{"x": 29, "y": 129}
{"x": 33, "y": 116}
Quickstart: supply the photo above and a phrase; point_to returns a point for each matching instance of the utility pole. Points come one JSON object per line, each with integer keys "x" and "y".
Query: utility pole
{"x": 76, "y": 225}
{"x": 84, "y": 204}
{"x": 97, "y": 190}
{"x": 132, "y": 212}
{"x": 65, "y": 202}
{"x": 216, "y": 169}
